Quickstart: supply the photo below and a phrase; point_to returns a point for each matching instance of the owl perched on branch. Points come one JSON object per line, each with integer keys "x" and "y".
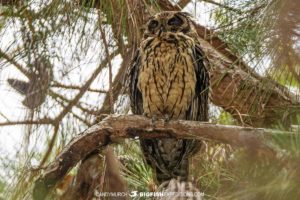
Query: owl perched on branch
{"x": 168, "y": 79}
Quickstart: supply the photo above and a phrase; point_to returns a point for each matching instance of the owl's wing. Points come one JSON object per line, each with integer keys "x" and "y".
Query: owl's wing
{"x": 21, "y": 87}
{"x": 198, "y": 111}
{"x": 136, "y": 100}
{"x": 177, "y": 163}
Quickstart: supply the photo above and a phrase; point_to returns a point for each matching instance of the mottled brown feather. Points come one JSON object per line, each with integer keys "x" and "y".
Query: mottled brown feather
{"x": 168, "y": 76}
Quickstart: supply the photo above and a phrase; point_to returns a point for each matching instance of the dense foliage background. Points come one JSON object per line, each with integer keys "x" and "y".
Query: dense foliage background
{"x": 62, "y": 65}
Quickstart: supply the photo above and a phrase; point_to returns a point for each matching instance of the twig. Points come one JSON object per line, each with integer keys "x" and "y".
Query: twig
{"x": 85, "y": 86}
{"x": 73, "y": 87}
{"x": 14, "y": 63}
{"x": 117, "y": 83}
{"x": 223, "y": 6}
{"x": 88, "y": 124}
{"x": 28, "y": 122}
{"x": 117, "y": 24}
{"x": 59, "y": 96}
{"x": 2, "y": 115}
{"x": 103, "y": 36}
{"x": 50, "y": 146}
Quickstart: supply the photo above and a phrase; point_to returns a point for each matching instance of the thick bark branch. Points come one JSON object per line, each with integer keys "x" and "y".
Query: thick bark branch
{"x": 121, "y": 126}
{"x": 250, "y": 98}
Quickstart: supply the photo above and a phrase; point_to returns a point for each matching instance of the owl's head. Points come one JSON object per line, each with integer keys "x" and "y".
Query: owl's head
{"x": 169, "y": 21}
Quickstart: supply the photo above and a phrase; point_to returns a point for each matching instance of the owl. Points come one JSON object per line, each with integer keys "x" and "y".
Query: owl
{"x": 168, "y": 79}
{"x": 35, "y": 90}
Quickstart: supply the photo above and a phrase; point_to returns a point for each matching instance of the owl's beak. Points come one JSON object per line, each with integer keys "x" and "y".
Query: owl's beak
{"x": 162, "y": 29}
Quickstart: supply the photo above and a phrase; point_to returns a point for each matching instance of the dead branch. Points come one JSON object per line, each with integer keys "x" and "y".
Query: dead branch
{"x": 115, "y": 127}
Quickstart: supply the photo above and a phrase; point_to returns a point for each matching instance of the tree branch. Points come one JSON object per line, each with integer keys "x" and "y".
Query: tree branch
{"x": 50, "y": 147}
{"x": 183, "y": 3}
{"x": 14, "y": 63}
{"x": 28, "y": 122}
{"x": 59, "y": 97}
{"x": 103, "y": 37}
{"x": 115, "y": 127}
{"x": 223, "y": 6}
{"x": 85, "y": 87}
{"x": 117, "y": 83}
{"x": 73, "y": 87}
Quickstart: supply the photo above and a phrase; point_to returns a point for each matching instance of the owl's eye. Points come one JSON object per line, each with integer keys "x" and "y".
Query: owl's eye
{"x": 175, "y": 21}
{"x": 152, "y": 24}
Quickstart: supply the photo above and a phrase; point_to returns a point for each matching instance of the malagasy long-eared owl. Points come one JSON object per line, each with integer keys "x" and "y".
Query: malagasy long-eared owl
{"x": 168, "y": 79}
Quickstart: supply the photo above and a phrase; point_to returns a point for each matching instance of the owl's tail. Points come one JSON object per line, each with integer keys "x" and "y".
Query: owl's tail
{"x": 181, "y": 172}
{"x": 169, "y": 158}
